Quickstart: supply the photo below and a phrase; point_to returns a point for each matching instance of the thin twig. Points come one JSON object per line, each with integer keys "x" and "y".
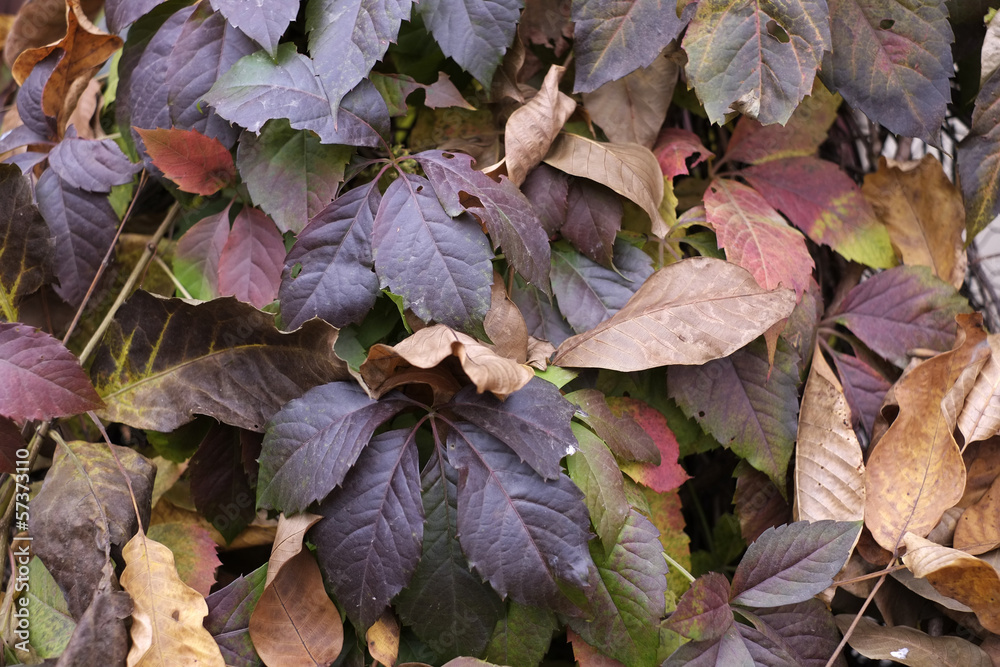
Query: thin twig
{"x": 170, "y": 274}
{"x": 857, "y": 618}
{"x": 677, "y": 566}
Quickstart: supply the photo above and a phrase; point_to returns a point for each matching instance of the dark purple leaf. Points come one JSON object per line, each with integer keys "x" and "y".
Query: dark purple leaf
{"x": 346, "y": 39}
{"x": 590, "y": 293}
{"x": 807, "y": 629}
{"x": 228, "y": 618}
{"x": 703, "y": 612}
{"x": 196, "y": 256}
{"x": 473, "y": 33}
{"x": 264, "y": 22}
{"x": 311, "y": 443}
{"x": 289, "y": 173}
{"x": 627, "y": 595}
{"x": 336, "y": 279}
{"x": 542, "y": 318}
{"x": 547, "y": 189}
{"x": 219, "y": 484}
{"x": 251, "y": 261}
{"x": 792, "y": 563}
{"x": 22, "y": 135}
{"x": 979, "y": 159}
{"x": 39, "y": 377}
{"x": 593, "y": 218}
{"x": 368, "y": 542}
{"x": 441, "y": 266}
{"x": 11, "y": 441}
{"x": 396, "y": 88}
{"x": 25, "y": 243}
{"x": 120, "y": 14}
{"x": 864, "y": 388}
{"x": 745, "y": 404}
{"x": 100, "y": 636}
{"x": 767, "y": 650}
{"x": 901, "y": 309}
{"x": 615, "y": 37}
{"x": 507, "y": 214}
{"x": 534, "y": 421}
{"x": 257, "y": 89}
{"x": 623, "y": 435}
{"x": 544, "y": 525}
{"x": 207, "y": 46}
{"x": 91, "y": 165}
{"x": 729, "y": 651}
{"x": 447, "y": 605}
{"x": 29, "y": 99}
{"x": 83, "y": 224}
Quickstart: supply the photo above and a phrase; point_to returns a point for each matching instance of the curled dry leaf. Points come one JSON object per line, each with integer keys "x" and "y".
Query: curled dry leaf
{"x": 829, "y": 467}
{"x": 980, "y": 416}
{"x": 531, "y": 129}
{"x": 878, "y": 642}
{"x": 977, "y": 530}
{"x": 505, "y": 325}
{"x": 40, "y": 22}
{"x": 687, "y": 313}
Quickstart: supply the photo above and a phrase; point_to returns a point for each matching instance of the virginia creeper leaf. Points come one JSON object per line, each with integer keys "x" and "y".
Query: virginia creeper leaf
{"x": 251, "y": 261}
{"x": 674, "y": 147}
{"x": 228, "y": 618}
{"x": 594, "y": 470}
{"x": 396, "y": 88}
{"x": 91, "y": 165}
{"x": 593, "y": 218}
{"x": 197, "y": 253}
{"x": 522, "y": 636}
{"x": 729, "y": 650}
{"x": 52, "y": 626}
{"x": 979, "y": 158}
{"x": 219, "y": 485}
{"x": 122, "y": 13}
{"x": 194, "y": 550}
{"x": 543, "y": 319}
{"x": 25, "y": 243}
{"x": 196, "y": 163}
{"x": 667, "y": 474}
{"x": 808, "y": 630}
{"x": 864, "y": 388}
{"x": 703, "y": 612}
{"x": 548, "y": 190}
{"x": 29, "y": 100}
{"x": 473, "y": 33}
{"x": 620, "y": 432}
{"x": 264, "y": 22}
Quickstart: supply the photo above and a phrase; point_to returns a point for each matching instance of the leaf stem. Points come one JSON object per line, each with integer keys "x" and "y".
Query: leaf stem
{"x": 854, "y": 623}
{"x": 170, "y": 274}
{"x": 677, "y": 566}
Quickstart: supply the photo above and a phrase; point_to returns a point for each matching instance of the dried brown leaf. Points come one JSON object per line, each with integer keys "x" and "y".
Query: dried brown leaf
{"x": 539, "y": 352}
{"x": 980, "y": 416}
{"x": 505, "y": 325}
{"x": 383, "y": 639}
{"x": 288, "y": 541}
{"x": 41, "y": 22}
{"x": 531, "y": 129}
{"x": 982, "y": 461}
{"x": 978, "y": 529}
{"x": 918, "y": 649}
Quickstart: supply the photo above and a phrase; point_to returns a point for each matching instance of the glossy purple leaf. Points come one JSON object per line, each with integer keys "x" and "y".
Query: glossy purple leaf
{"x": 91, "y": 165}
{"x": 593, "y": 218}
{"x": 792, "y": 563}
{"x": 543, "y": 319}
{"x": 444, "y": 599}
{"x": 534, "y": 421}
{"x": 197, "y": 253}
{"x": 251, "y": 261}
{"x": 901, "y": 309}
{"x": 26, "y": 250}
{"x": 441, "y": 266}
{"x": 336, "y": 279}
{"x": 728, "y": 651}
{"x": 864, "y": 388}
{"x": 347, "y": 38}
{"x": 979, "y": 159}
{"x": 806, "y": 630}
{"x": 83, "y": 224}
{"x": 745, "y": 404}
{"x": 219, "y": 485}
{"x": 544, "y": 525}
{"x": 703, "y": 612}
{"x": 228, "y": 618}
{"x": 369, "y": 539}
{"x": 289, "y": 173}
{"x": 264, "y": 22}
{"x": 473, "y": 33}
{"x": 507, "y": 214}
{"x": 22, "y": 135}
{"x": 257, "y": 89}
{"x": 29, "y": 99}
{"x": 39, "y": 377}
{"x": 311, "y": 443}
{"x": 614, "y": 38}
{"x": 120, "y": 14}
{"x": 591, "y": 293}
{"x": 547, "y": 189}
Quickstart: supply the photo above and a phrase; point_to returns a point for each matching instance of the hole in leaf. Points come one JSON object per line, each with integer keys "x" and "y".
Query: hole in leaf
{"x": 701, "y": 413}
{"x": 448, "y": 156}
{"x": 776, "y": 31}
{"x": 885, "y": 24}
{"x": 296, "y": 270}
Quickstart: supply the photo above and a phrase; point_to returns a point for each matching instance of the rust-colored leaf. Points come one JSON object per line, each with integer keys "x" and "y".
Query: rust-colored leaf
{"x": 531, "y": 129}
{"x": 673, "y": 148}
{"x": 196, "y": 163}
{"x": 916, "y": 471}
{"x": 383, "y": 639}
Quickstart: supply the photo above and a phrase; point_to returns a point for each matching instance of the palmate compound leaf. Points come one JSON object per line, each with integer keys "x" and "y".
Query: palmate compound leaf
{"x": 264, "y": 22}
{"x": 369, "y": 540}
{"x": 756, "y": 58}
{"x": 336, "y": 279}
{"x": 806, "y": 629}
{"x": 884, "y": 50}
{"x": 509, "y": 217}
{"x": 39, "y": 377}
{"x": 251, "y": 261}
{"x": 473, "y": 33}
{"x": 627, "y": 595}
{"x": 165, "y": 360}
{"x": 314, "y": 440}
{"x": 792, "y": 563}
{"x": 440, "y": 265}
{"x": 526, "y": 536}
{"x": 447, "y": 606}
{"x": 690, "y": 312}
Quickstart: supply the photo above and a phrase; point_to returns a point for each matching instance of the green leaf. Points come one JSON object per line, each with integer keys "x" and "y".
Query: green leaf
{"x": 522, "y": 636}
{"x": 703, "y": 613}
{"x": 51, "y": 625}
{"x": 594, "y": 470}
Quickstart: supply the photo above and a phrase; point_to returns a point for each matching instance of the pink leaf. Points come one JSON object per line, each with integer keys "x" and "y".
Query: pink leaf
{"x": 251, "y": 261}
{"x": 674, "y": 147}
{"x": 669, "y": 474}
{"x": 196, "y": 163}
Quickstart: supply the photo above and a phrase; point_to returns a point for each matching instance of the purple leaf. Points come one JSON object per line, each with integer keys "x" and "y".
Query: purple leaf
{"x": 766, "y": 649}
{"x": 289, "y": 173}
{"x": 228, "y": 618}
{"x": 336, "y": 280}
{"x": 792, "y": 563}
{"x": 614, "y": 38}
{"x": 120, "y": 14}
{"x": 444, "y": 599}
{"x": 346, "y": 39}
{"x": 39, "y": 378}
{"x": 196, "y": 256}
{"x": 91, "y": 165}
{"x": 29, "y": 99}
{"x": 22, "y": 135}
{"x": 745, "y": 404}
{"x": 264, "y": 22}
{"x": 83, "y": 224}
{"x": 703, "y": 613}
{"x": 473, "y": 33}
{"x": 547, "y": 189}
{"x": 441, "y": 266}
{"x": 807, "y": 629}
{"x": 544, "y": 525}
{"x": 592, "y": 293}
{"x": 369, "y": 540}
{"x": 219, "y": 485}
{"x": 544, "y": 321}
{"x": 728, "y": 651}
{"x": 534, "y": 421}
{"x": 864, "y": 388}
{"x": 251, "y": 261}
{"x": 311, "y": 443}
{"x": 901, "y": 309}
{"x": 627, "y": 595}
{"x": 25, "y": 162}
{"x": 507, "y": 214}
{"x": 593, "y": 218}
{"x": 26, "y": 252}
{"x": 257, "y": 89}
{"x": 979, "y": 159}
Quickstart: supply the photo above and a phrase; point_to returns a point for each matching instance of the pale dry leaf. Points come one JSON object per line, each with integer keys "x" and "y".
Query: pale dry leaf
{"x": 530, "y": 129}
{"x": 539, "y": 352}
{"x": 505, "y": 325}
{"x": 978, "y": 529}
{"x": 991, "y": 49}
{"x": 980, "y": 415}
{"x": 878, "y": 642}
{"x": 288, "y": 540}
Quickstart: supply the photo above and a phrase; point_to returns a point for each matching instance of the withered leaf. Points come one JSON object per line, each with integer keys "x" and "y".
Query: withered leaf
{"x": 878, "y": 642}
{"x": 26, "y": 249}
{"x": 531, "y": 129}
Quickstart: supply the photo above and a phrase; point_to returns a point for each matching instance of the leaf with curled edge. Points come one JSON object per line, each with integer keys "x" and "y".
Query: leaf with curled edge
{"x": 26, "y": 249}
{"x": 251, "y": 261}
{"x": 369, "y": 541}
{"x": 474, "y": 33}
{"x": 91, "y": 165}
{"x": 980, "y": 415}
{"x": 532, "y": 128}
{"x": 690, "y": 312}
{"x": 263, "y": 22}
{"x": 164, "y": 360}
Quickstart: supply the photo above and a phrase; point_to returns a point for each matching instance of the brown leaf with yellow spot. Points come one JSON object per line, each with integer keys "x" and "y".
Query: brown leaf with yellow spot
{"x": 978, "y": 529}
{"x": 923, "y": 212}
{"x": 916, "y": 471}
{"x": 167, "y": 617}
{"x": 530, "y": 129}
{"x": 383, "y": 639}
{"x": 956, "y": 574}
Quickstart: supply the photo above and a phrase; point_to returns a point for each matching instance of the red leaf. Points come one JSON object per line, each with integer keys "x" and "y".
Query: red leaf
{"x": 669, "y": 474}
{"x": 252, "y": 259}
{"x": 196, "y": 163}
{"x": 674, "y": 146}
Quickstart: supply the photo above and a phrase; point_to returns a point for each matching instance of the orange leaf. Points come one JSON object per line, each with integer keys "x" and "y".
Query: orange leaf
{"x": 196, "y": 163}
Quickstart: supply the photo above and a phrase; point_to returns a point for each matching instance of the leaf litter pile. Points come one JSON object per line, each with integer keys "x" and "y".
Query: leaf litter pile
{"x": 499, "y": 332}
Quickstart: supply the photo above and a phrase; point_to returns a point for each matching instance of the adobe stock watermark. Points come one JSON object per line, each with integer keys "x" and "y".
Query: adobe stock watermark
{"x": 21, "y": 552}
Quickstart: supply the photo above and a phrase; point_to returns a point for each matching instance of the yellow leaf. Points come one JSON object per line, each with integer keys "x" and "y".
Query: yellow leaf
{"x": 383, "y": 639}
